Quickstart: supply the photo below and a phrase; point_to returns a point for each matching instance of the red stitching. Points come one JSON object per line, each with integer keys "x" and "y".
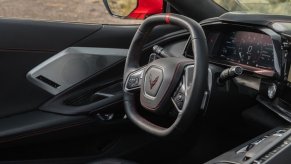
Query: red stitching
{"x": 167, "y": 18}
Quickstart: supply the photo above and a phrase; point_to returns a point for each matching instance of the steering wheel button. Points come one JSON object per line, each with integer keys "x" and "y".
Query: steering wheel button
{"x": 136, "y": 81}
{"x": 180, "y": 97}
{"x": 133, "y": 79}
{"x": 133, "y": 82}
{"x": 179, "y": 104}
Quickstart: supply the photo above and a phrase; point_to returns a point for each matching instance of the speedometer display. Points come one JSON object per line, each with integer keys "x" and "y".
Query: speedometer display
{"x": 248, "y": 48}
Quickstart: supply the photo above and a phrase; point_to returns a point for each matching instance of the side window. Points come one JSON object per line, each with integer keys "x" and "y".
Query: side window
{"x": 83, "y": 11}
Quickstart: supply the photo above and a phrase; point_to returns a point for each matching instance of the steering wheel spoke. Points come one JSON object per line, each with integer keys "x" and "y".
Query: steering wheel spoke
{"x": 182, "y": 90}
{"x": 178, "y": 97}
{"x": 134, "y": 80}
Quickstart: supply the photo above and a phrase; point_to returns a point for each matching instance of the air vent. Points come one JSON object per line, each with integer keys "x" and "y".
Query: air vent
{"x": 48, "y": 81}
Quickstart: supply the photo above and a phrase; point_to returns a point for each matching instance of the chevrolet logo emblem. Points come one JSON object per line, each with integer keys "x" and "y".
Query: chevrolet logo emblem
{"x": 153, "y": 82}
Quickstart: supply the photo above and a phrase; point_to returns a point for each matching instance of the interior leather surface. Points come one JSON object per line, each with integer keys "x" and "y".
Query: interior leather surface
{"x": 33, "y": 123}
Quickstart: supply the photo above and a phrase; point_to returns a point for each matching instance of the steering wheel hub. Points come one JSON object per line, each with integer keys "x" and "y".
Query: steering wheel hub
{"x": 153, "y": 80}
{"x": 160, "y": 80}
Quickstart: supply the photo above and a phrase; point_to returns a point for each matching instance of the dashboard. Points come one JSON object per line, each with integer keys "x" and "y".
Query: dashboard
{"x": 254, "y": 49}
{"x": 260, "y": 44}
{"x": 262, "y": 47}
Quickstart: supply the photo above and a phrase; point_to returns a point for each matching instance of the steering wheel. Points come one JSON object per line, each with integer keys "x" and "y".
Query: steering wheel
{"x": 177, "y": 80}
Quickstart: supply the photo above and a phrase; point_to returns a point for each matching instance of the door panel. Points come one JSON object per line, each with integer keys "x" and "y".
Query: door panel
{"x": 17, "y": 94}
{"x": 23, "y": 46}
{"x": 26, "y": 44}
{"x": 30, "y": 123}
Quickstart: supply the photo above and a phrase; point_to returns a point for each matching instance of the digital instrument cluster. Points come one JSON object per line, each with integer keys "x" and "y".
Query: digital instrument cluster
{"x": 247, "y": 48}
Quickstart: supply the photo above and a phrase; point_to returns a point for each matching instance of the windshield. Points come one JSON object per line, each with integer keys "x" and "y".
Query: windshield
{"x": 276, "y": 7}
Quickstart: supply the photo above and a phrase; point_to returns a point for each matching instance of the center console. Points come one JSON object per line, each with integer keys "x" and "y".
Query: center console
{"x": 273, "y": 147}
